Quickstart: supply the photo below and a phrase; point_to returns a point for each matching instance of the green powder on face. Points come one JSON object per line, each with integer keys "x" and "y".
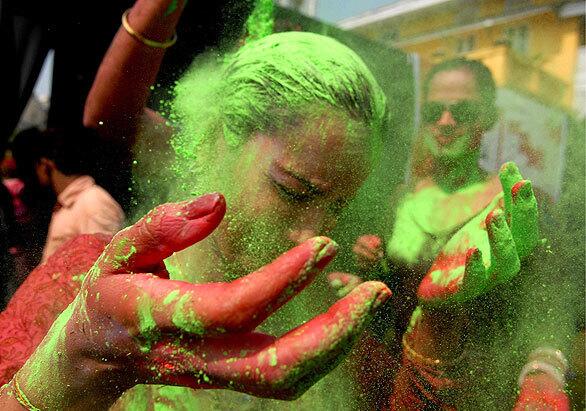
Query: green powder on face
{"x": 262, "y": 87}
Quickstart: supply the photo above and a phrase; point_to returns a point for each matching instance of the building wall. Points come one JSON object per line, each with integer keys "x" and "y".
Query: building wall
{"x": 512, "y": 37}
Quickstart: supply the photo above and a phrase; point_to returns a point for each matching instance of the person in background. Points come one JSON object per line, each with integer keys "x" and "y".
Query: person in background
{"x": 82, "y": 206}
{"x": 32, "y": 202}
{"x": 449, "y": 189}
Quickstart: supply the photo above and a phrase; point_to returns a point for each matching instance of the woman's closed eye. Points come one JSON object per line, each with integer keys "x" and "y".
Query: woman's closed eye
{"x": 293, "y": 194}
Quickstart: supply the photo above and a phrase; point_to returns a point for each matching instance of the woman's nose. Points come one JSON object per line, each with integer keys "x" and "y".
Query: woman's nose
{"x": 446, "y": 119}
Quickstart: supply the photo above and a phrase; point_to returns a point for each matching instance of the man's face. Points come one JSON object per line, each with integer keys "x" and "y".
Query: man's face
{"x": 452, "y": 115}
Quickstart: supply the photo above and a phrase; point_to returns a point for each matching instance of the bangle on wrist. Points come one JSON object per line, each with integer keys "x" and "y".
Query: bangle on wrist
{"x": 143, "y": 39}
{"x": 540, "y": 367}
{"x": 550, "y": 356}
{"x": 414, "y": 356}
{"x": 547, "y": 361}
{"x": 21, "y": 396}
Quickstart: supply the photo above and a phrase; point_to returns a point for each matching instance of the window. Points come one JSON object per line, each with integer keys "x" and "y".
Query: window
{"x": 465, "y": 44}
{"x": 518, "y": 38}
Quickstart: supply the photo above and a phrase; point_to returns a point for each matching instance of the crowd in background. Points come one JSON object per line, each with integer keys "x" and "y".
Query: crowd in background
{"x": 49, "y": 196}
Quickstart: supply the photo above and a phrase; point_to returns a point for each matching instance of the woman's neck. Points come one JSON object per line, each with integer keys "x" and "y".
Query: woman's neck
{"x": 455, "y": 174}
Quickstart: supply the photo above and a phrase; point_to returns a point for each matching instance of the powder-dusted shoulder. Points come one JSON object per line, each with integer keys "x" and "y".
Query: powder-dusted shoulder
{"x": 45, "y": 293}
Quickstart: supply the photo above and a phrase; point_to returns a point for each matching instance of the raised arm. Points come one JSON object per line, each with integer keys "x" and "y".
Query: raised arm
{"x": 117, "y": 99}
{"x": 463, "y": 343}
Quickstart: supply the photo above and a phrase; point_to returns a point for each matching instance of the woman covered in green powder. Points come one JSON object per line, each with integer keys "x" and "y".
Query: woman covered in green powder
{"x": 287, "y": 129}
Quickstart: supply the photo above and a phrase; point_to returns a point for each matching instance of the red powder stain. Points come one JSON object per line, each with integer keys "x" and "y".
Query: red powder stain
{"x": 445, "y": 263}
{"x": 516, "y": 188}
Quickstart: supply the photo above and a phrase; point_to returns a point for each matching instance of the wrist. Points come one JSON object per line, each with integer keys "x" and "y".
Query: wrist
{"x": 155, "y": 20}
{"x": 57, "y": 376}
{"x": 8, "y": 398}
{"x": 435, "y": 337}
{"x": 67, "y": 386}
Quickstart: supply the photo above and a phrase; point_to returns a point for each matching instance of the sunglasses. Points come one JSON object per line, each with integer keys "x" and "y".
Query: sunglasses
{"x": 463, "y": 112}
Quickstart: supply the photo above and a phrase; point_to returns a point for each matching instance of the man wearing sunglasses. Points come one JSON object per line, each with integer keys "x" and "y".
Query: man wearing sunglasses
{"x": 448, "y": 189}
{"x": 459, "y": 106}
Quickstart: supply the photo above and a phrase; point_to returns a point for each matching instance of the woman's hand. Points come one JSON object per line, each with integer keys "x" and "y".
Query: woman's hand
{"x": 130, "y": 324}
{"x": 489, "y": 249}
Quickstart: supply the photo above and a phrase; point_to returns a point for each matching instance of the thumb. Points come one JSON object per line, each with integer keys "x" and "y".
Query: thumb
{"x": 164, "y": 230}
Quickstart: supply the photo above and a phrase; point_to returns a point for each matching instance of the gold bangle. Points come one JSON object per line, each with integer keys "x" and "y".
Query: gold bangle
{"x": 433, "y": 362}
{"x": 22, "y": 398}
{"x": 144, "y": 40}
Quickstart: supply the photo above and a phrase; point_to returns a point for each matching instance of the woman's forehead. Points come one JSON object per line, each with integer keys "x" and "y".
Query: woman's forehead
{"x": 328, "y": 148}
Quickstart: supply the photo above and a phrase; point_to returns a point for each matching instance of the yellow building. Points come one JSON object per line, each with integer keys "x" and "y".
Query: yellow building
{"x": 531, "y": 46}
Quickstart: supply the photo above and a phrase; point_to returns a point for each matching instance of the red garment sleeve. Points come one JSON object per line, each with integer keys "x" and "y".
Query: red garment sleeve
{"x": 45, "y": 293}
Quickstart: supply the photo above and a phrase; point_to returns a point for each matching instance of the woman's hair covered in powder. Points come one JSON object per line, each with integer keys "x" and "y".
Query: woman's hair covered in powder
{"x": 265, "y": 84}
